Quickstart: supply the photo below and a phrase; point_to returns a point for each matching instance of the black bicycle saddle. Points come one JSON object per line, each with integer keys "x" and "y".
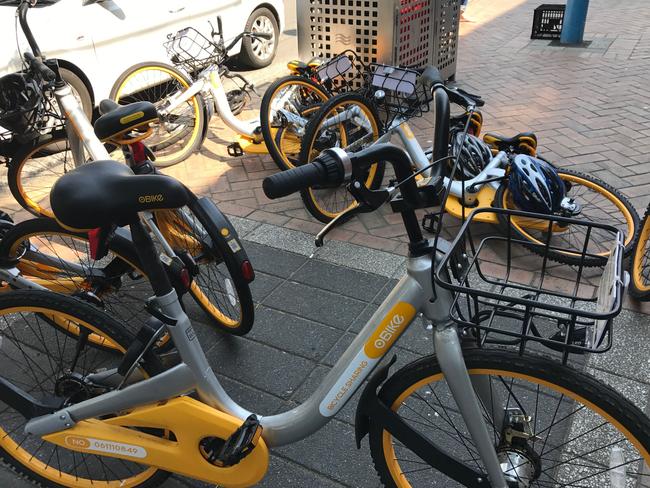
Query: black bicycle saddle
{"x": 107, "y": 192}
{"x": 120, "y": 119}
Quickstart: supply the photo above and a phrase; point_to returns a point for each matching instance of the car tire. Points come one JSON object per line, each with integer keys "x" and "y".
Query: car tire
{"x": 259, "y": 53}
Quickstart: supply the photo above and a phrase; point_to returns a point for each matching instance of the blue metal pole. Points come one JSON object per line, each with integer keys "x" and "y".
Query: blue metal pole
{"x": 575, "y": 16}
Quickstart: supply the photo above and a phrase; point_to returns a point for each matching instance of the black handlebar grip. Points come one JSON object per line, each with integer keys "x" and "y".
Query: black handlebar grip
{"x": 293, "y": 180}
{"x": 262, "y": 35}
{"x": 39, "y": 67}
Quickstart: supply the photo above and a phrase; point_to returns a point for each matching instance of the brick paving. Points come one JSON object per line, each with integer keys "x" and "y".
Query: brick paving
{"x": 587, "y": 105}
{"x": 588, "y": 108}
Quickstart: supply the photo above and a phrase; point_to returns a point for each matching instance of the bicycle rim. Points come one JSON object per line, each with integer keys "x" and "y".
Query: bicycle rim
{"x": 61, "y": 262}
{"x": 599, "y": 205}
{"x": 360, "y": 131}
{"x": 298, "y": 97}
{"x": 215, "y": 289}
{"x": 32, "y": 177}
{"x": 572, "y": 432}
{"x": 174, "y": 136}
{"x": 641, "y": 261}
{"x": 41, "y": 359}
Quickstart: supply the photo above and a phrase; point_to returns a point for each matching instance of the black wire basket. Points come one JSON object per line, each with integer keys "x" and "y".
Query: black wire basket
{"x": 510, "y": 291}
{"x": 343, "y": 72}
{"x": 191, "y": 50}
{"x": 397, "y": 91}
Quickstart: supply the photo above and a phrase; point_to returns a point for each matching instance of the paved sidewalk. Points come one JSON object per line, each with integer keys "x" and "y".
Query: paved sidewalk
{"x": 589, "y": 109}
{"x": 308, "y": 311}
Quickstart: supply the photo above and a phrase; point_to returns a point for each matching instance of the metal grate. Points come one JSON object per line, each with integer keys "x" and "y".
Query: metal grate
{"x": 415, "y": 33}
{"x": 448, "y": 17}
{"x": 394, "y": 32}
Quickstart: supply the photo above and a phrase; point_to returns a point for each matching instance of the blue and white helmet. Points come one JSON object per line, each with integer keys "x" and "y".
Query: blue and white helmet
{"x": 535, "y": 185}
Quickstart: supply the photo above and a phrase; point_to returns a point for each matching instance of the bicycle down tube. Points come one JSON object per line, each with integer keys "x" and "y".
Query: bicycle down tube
{"x": 211, "y": 81}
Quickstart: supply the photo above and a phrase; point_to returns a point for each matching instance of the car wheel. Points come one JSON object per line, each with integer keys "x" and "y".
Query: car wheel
{"x": 258, "y": 53}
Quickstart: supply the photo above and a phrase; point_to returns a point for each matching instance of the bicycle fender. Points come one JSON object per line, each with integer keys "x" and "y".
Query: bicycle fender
{"x": 371, "y": 406}
{"x": 368, "y": 397}
{"x": 227, "y": 239}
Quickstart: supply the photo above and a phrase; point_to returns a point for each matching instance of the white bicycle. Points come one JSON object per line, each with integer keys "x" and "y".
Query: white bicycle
{"x": 189, "y": 93}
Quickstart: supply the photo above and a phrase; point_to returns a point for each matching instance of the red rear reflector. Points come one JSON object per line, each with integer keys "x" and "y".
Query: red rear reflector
{"x": 247, "y": 271}
{"x": 94, "y": 237}
{"x": 138, "y": 152}
{"x": 185, "y": 278}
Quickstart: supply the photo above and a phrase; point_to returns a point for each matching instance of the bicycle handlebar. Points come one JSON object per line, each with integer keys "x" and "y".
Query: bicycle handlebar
{"x": 334, "y": 166}
{"x": 22, "y": 18}
{"x": 261, "y": 35}
{"x": 39, "y": 67}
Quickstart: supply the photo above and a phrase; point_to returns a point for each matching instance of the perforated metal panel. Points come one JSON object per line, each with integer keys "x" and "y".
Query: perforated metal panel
{"x": 446, "y": 38}
{"x": 404, "y": 32}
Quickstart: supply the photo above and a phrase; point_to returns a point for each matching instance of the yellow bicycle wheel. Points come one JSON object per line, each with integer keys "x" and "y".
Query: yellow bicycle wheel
{"x": 219, "y": 287}
{"x": 45, "y": 362}
{"x": 640, "y": 262}
{"x": 32, "y": 173}
{"x": 348, "y": 121}
{"x": 60, "y": 260}
{"x": 286, "y": 107}
{"x": 179, "y": 132}
{"x": 598, "y": 203}
{"x": 551, "y": 425}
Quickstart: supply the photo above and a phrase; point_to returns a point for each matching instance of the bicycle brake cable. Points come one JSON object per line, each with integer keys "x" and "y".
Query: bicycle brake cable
{"x": 471, "y": 109}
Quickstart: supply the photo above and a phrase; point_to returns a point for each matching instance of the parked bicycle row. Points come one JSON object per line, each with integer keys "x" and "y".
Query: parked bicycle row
{"x": 104, "y": 379}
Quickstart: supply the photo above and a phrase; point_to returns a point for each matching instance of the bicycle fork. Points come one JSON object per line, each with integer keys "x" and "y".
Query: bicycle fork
{"x": 450, "y": 357}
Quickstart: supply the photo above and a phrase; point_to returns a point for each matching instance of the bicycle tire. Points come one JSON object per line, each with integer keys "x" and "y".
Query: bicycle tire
{"x": 626, "y": 219}
{"x": 169, "y": 147}
{"x": 30, "y": 342}
{"x": 225, "y": 282}
{"x": 326, "y": 203}
{"x": 537, "y": 375}
{"x": 124, "y": 249}
{"x": 640, "y": 262}
{"x": 281, "y": 159}
{"x": 121, "y": 295}
{"x": 34, "y": 169}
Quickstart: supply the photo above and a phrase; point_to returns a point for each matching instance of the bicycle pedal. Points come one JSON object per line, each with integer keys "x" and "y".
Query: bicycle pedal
{"x": 224, "y": 453}
{"x": 430, "y": 222}
{"x": 235, "y": 150}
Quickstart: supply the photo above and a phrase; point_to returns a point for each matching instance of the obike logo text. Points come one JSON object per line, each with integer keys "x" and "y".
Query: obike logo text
{"x": 151, "y": 198}
{"x": 347, "y": 385}
{"x": 358, "y": 369}
{"x": 117, "y": 448}
{"x": 389, "y": 330}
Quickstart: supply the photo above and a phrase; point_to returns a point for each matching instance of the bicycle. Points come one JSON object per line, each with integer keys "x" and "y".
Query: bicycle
{"x": 640, "y": 262}
{"x": 397, "y": 94}
{"x": 189, "y": 93}
{"x": 288, "y": 102}
{"x": 127, "y": 426}
{"x": 36, "y": 128}
{"x": 194, "y": 238}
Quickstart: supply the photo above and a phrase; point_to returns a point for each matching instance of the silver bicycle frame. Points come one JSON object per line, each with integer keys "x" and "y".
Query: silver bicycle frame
{"x": 209, "y": 81}
{"x": 413, "y": 295}
{"x": 79, "y": 130}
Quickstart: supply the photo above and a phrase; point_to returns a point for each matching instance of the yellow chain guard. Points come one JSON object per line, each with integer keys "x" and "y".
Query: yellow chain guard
{"x": 189, "y": 420}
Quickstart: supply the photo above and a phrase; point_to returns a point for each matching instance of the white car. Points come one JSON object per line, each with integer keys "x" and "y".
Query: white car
{"x": 96, "y": 40}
